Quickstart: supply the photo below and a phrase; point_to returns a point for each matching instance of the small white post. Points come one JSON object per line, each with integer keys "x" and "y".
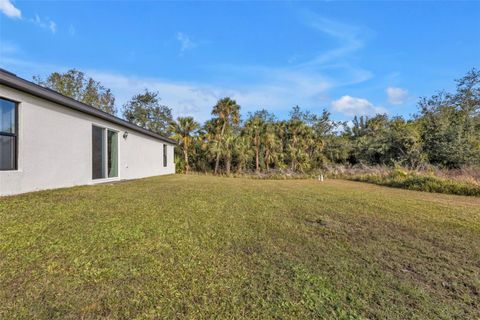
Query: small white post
{"x": 320, "y": 177}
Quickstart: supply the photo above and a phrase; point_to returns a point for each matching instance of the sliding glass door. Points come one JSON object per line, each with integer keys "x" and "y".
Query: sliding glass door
{"x": 104, "y": 153}
{"x": 112, "y": 155}
{"x": 98, "y": 153}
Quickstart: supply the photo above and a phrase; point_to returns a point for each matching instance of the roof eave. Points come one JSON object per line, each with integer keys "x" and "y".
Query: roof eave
{"x": 11, "y": 80}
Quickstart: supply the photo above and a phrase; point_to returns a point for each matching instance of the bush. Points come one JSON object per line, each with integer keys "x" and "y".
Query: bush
{"x": 463, "y": 181}
{"x": 420, "y": 182}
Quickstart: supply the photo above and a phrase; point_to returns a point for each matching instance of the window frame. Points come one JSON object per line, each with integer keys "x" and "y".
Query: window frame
{"x": 105, "y": 130}
{"x": 165, "y": 158}
{"x": 14, "y": 135}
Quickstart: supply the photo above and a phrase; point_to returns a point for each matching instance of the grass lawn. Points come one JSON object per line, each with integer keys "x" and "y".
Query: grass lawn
{"x": 207, "y": 247}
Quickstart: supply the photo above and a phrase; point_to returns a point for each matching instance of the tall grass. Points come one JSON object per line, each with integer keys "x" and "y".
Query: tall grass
{"x": 464, "y": 181}
{"x": 420, "y": 182}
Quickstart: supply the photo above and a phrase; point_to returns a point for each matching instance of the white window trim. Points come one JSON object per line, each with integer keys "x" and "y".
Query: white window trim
{"x": 105, "y": 150}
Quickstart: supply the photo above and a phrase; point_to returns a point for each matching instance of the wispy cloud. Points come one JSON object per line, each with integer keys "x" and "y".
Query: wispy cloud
{"x": 52, "y": 26}
{"x": 45, "y": 23}
{"x": 196, "y": 99}
{"x": 7, "y": 48}
{"x": 8, "y": 9}
{"x": 349, "y": 38}
{"x": 396, "y": 95}
{"x": 275, "y": 88}
{"x": 185, "y": 42}
{"x": 307, "y": 83}
{"x": 352, "y": 106}
{"x": 185, "y": 98}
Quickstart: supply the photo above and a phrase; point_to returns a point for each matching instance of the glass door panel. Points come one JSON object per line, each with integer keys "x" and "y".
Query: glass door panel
{"x": 112, "y": 138}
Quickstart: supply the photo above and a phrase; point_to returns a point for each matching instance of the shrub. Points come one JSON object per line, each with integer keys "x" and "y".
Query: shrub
{"x": 420, "y": 182}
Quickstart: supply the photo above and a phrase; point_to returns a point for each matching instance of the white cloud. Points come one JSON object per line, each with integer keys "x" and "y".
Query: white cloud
{"x": 277, "y": 89}
{"x": 185, "y": 42}
{"x": 45, "y": 23}
{"x": 396, "y": 95}
{"x": 352, "y": 106}
{"x": 197, "y": 99}
{"x": 7, "y": 7}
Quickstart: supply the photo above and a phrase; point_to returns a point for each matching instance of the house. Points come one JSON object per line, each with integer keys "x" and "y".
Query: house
{"x": 48, "y": 141}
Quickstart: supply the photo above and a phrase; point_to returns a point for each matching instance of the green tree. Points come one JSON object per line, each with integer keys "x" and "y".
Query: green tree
{"x": 450, "y": 124}
{"x": 322, "y": 127}
{"x": 145, "y": 110}
{"x": 228, "y": 148}
{"x": 202, "y": 151}
{"x": 402, "y": 143}
{"x": 338, "y": 148}
{"x": 228, "y": 115}
{"x": 270, "y": 141}
{"x": 183, "y": 130}
{"x": 272, "y": 145}
{"x": 76, "y": 85}
{"x": 242, "y": 151}
{"x": 368, "y": 139}
{"x": 254, "y": 129}
{"x": 299, "y": 140}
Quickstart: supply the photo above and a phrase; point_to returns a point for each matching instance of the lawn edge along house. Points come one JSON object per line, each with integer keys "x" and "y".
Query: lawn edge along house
{"x": 49, "y": 141}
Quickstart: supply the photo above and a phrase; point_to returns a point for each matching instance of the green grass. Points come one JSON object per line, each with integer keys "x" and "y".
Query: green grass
{"x": 206, "y": 247}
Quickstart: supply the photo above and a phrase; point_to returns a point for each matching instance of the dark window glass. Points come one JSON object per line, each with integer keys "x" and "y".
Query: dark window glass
{"x": 98, "y": 153}
{"x": 8, "y": 135}
{"x": 7, "y": 116}
{"x": 164, "y": 155}
{"x": 112, "y": 154}
{"x": 7, "y": 152}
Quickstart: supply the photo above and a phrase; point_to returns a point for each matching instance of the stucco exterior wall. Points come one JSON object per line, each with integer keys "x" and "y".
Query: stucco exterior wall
{"x": 55, "y": 148}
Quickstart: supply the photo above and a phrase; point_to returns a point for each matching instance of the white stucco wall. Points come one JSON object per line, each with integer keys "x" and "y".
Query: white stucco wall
{"x": 55, "y": 148}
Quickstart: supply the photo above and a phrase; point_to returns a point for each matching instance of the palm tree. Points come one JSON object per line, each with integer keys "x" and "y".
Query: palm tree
{"x": 228, "y": 113}
{"x": 228, "y": 147}
{"x": 183, "y": 128}
{"x": 243, "y": 152}
{"x": 254, "y": 129}
{"x": 271, "y": 145}
{"x": 298, "y": 143}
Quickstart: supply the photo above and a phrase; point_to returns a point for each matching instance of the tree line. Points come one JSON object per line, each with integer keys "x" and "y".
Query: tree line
{"x": 445, "y": 131}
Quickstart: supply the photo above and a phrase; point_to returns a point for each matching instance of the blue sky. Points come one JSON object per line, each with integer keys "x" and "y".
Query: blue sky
{"x": 348, "y": 57}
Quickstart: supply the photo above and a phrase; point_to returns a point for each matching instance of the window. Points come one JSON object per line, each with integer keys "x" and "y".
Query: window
{"x": 104, "y": 153}
{"x": 164, "y": 155}
{"x": 8, "y": 134}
